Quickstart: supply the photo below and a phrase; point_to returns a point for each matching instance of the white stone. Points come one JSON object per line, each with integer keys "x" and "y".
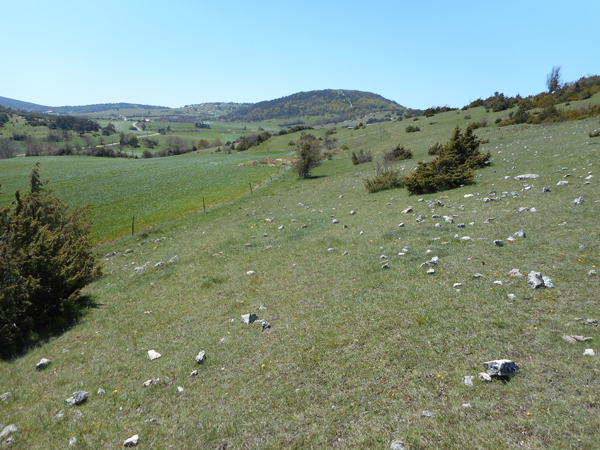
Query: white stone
{"x": 401, "y": 224}
{"x": 484, "y": 377}
{"x": 527, "y": 176}
{"x": 455, "y": 285}
{"x": 201, "y": 357}
{"x": 179, "y": 389}
{"x": 512, "y": 296}
{"x": 407, "y": 210}
{"x": 42, "y": 364}
{"x": 498, "y": 282}
{"x": 132, "y": 441}
{"x": 12, "y": 428}
{"x": 430, "y": 271}
{"x": 468, "y": 380}
{"x": 250, "y": 272}
{"x": 72, "y": 441}
{"x": 501, "y": 367}
{"x": 152, "y": 355}
{"x": 248, "y": 318}
{"x": 589, "y": 352}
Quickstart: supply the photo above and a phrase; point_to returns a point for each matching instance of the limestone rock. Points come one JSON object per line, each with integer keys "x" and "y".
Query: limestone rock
{"x": 592, "y": 273}
{"x": 430, "y": 271}
{"x": 484, "y": 377}
{"x": 477, "y": 275}
{"x": 545, "y": 189}
{"x": 42, "y": 364}
{"x": 352, "y": 212}
{"x": 201, "y": 357}
{"x": 152, "y": 355}
{"x": 386, "y": 266}
{"x": 468, "y": 380}
{"x": 180, "y": 389}
{"x": 78, "y": 398}
{"x": 72, "y": 441}
{"x": 265, "y": 325}
{"x": 194, "y": 373}
{"x": 589, "y": 352}
{"x": 562, "y": 183}
{"x": 498, "y": 243}
{"x": 401, "y": 224}
{"x": 59, "y": 416}
{"x": 572, "y": 339}
{"x": 147, "y": 383}
{"x": 397, "y": 445}
{"x": 101, "y": 391}
{"x": 407, "y": 210}
{"x": 535, "y": 280}
{"x": 515, "y": 273}
{"x": 132, "y": 441}
{"x": 427, "y": 414}
{"x": 578, "y": 201}
{"x": 527, "y": 176}
{"x": 12, "y": 428}
{"x": 6, "y": 396}
{"x": 336, "y": 221}
{"x": 548, "y": 282}
{"x": 501, "y": 368}
{"x": 432, "y": 262}
{"x": 249, "y": 318}
{"x": 250, "y": 272}
{"x": 520, "y": 234}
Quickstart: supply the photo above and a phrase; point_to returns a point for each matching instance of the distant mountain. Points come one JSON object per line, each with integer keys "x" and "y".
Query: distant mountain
{"x": 316, "y": 103}
{"x": 84, "y": 109}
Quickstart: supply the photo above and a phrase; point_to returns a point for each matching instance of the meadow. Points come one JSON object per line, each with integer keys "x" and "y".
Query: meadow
{"x": 355, "y": 353}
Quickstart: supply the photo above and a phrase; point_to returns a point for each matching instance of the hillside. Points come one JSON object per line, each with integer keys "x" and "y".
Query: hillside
{"x": 83, "y": 109}
{"x": 316, "y": 103}
{"x": 357, "y": 355}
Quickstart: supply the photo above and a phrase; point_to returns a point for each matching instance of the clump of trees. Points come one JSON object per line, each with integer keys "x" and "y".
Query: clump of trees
{"x": 386, "y": 177}
{"x": 308, "y": 155}
{"x": 456, "y": 160}
{"x": 245, "y": 142}
{"x": 361, "y": 157}
{"x": 412, "y": 129}
{"x": 45, "y": 260}
{"x": 397, "y": 153}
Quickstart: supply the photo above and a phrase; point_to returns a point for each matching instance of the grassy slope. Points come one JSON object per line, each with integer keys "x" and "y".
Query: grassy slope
{"x": 355, "y": 353}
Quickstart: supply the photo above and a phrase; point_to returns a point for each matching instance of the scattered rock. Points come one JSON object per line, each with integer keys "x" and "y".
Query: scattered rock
{"x": 407, "y": 210}
{"x": 469, "y": 380}
{"x": 562, "y": 183}
{"x": 345, "y": 253}
{"x": 250, "y": 272}
{"x": 330, "y": 249}
{"x": 336, "y": 221}
{"x": 501, "y": 368}
{"x": 527, "y": 176}
{"x": 448, "y": 219}
{"x": 401, "y": 224}
{"x": 152, "y": 355}
{"x": 498, "y": 243}
{"x": 512, "y": 296}
{"x": 545, "y": 189}
{"x": 281, "y": 227}
{"x": 265, "y": 325}
{"x": 132, "y": 441}
{"x": 515, "y": 273}
{"x": 430, "y": 271}
{"x": 455, "y": 285}
{"x": 147, "y": 383}
{"x": 12, "y": 428}
{"x": 78, "y": 398}
{"x": 466, "y": 405}
{"x": 42, "y": 364}
{"x": 111, "y": 254}
{"x": 173, "y": 259}
{"x": 249, "y": 318}
{"x": 386, "y": 266}
{"x": 352, "y": 212}
{"x": 419, "y": 219}
{"x": 101, "y": 391}
{"x": 397, "y": 445}
{"x": 179, "y": 389}
{"x": 201, "y": 357}
{"x": 59, "y": 416}
{"x": 432, "y": 262}
{"x": 6, "y": 396}
{"x": 498, "y": 282}
{"x": 592, "y": 322}
{"x": 535, "y": 280}
{"x": 592, "y": 273}
{"x": 72, "y": 441}
{"x": 572, "y": 339}
{"x": 427, "y": 414}
{"x": 484, "y": 377}
{"x": 477, "y": 275}
{"x": 194, "y": 373}
{"x": 589, "y": 352}
{"x": 578, "y": 201}
{"x": 461, "y": 225}
{"x": 248, "y": 244}
{"x": 128, "y": 251}
{"x": 520, "y": 234}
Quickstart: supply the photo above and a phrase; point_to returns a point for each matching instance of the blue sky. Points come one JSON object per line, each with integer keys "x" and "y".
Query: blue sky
{"x": 180, "y": 52}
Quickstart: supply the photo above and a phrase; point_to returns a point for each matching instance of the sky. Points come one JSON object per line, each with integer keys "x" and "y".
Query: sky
{"x": 180, "y": 52}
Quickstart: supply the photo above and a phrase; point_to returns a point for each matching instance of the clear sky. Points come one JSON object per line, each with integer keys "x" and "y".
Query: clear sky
{"x": 179, "y": 52}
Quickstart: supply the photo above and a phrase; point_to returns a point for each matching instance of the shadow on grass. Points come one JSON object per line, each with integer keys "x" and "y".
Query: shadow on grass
{"x": 52, "y": 328}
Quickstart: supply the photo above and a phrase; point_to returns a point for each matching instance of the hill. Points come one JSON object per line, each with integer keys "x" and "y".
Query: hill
{"x": 316, "y": 103}
{"x": 83, "y": 109}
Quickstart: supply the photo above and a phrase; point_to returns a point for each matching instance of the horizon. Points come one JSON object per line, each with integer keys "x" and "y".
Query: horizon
{"x": 197, "y": 52}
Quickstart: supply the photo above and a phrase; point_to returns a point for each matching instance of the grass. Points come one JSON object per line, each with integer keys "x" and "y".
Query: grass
{"x": 153, "y": 190}
{"x": 355, "y": 353}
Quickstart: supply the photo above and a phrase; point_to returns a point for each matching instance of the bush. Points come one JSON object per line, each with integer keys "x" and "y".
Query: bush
{"x": 45, "y": 260}
{"x": 362, "y": 157}
{"x": 308, "y": 155}
{"x": 146, "y": 154}
{"x": 412, "y": 129}
{"x": 434, "y": 149}
{"x": 397, "y": 154}
{"x": 386, "y": 177}
{"x": 453, "y": 167}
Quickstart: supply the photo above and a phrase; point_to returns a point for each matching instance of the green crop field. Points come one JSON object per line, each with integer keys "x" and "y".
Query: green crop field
{"x": 355, "y": 353}
{"x": 153, "y": 190}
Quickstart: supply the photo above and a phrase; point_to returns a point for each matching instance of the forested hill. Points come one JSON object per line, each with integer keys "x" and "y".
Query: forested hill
{"x": 84, "y": 109}
{"x": 316, "y": 103}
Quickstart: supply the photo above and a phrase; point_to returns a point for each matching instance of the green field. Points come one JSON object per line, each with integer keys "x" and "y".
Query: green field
{"x": 153, "y": 190}
{"x": 355, "y": 353}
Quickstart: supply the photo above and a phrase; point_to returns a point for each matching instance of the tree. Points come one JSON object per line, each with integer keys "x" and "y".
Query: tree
{"x": 132, "y": 140}
{"x": 45, "y": 260}
{"x": 8, "y": 148}
{"x": 553, "y": 79}
{"x": 308, "y": 155}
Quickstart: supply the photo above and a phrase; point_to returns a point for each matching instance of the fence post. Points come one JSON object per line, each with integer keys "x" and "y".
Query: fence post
{"x": 203, "y": 204}
{"x": 132, "y": 224}
{"x": 250, "y": 184}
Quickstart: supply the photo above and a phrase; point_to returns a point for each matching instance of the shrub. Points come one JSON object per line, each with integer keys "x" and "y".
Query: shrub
{"x": 397, "y": 154}
{"x": 412, "y": 129}
{"x": 203, "y": 143}
{"x": 386, "y": 177}
{"x": 146, "y": 154}
{"x": 362, "y": 157}
{"x": 308, "y": 155}
{"x": 453, "y": 167}
{"x": 434, "y": 149}
{"x": 45, "y": 260}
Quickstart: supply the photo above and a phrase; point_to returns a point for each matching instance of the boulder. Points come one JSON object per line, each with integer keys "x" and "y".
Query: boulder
{"x": 78, "y": 398}
{"x": 201, "y": 357}
{"x": 132, "y": 441}
{"x": 501, "y": 368}
{"x": 535, "y": 280}
{"x": 248, "y": 318}
{"x": 42, "y": 364}
{"x": 12, "y": 428}
{"x": 589, "y": 352}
